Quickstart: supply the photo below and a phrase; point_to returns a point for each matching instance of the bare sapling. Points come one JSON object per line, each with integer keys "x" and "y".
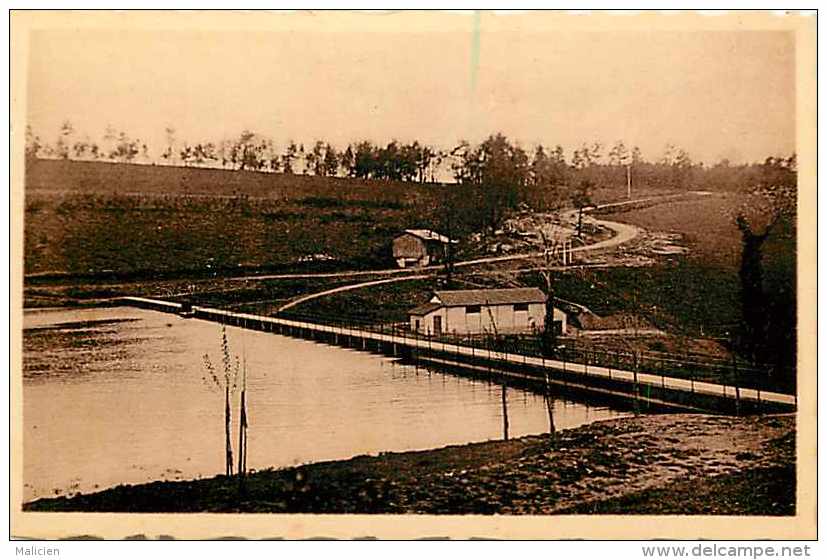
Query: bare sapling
{"x": 242, "y": 424}
{"x": 227, "y": 383}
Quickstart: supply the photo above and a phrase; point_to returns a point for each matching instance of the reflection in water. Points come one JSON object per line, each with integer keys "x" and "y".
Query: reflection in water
{"x": 548, "y": 398}
{"x": 505, "y": 411}
{"x": 116, "y": 396}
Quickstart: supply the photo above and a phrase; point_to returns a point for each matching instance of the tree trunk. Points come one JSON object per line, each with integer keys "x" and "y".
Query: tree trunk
{"x": 242, "y": 436}
{"x": 549, "y": 400}
{"x": 751, "y": 273}
{"x": 505, "y": 410}
{"x": 228, "y": 443}
{"x": 548, "y": 336}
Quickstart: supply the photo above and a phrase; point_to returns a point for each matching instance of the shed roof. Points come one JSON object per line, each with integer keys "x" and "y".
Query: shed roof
{"x": 429, "y": 235}
{"x": 503, "y": 296}
{"x": 425, "y": 308}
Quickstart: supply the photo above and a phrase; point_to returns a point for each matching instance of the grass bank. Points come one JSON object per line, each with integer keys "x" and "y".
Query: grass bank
{"x": 691, "y": 464}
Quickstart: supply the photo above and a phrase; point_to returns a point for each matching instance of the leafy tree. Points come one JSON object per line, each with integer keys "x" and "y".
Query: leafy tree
{"x": 424, "y": 156}
{"x": 348, "y": 161}
{"x": 499, "y": 170}
{"x": 289, "y": 157}
{"x": 636, "y": 157}
{"x": 547, "y": 176}
{"x": 558, "y": 157}
{"x": 169, "y": 152}
{"x": 580, "y": 157}
{"x": 315, "y": 159}
{"x": 365, "y": 164}
{"x": 33, "y": 145}
{"x": 301, "y": 159}
{"x": 595, "y": 154}
{"x": 540, "y": 166}
{"x": 186, "y": 154}
{"x": 247, "y": 150}
{"x": 64, "y": 140}
{"x": 619, "y": 155}
{"x": 771, "y": 204}
{"x": 80, "y": 149}
{"x": 668, "y": 157}
{"x": 462, "y": 164}
{"x": 682, "y": 169}
{"x": 273, "y": 158}
{"x": 330, "y": 164}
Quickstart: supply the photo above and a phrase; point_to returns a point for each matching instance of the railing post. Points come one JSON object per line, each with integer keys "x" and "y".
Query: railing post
{"x": 634, "y": 373}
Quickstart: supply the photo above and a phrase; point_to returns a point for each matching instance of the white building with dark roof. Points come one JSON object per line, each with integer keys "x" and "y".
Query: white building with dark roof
{"x": 505, "y": 311}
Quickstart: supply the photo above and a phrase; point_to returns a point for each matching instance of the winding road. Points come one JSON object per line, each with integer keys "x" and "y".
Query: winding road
{"x": 622, "y": 234}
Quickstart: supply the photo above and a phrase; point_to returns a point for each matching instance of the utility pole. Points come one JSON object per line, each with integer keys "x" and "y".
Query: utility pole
{"x": 629, "y": 181}
{"x": 449, "y": 260}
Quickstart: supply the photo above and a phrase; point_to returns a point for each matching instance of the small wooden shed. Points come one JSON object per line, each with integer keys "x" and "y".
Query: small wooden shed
{"x": 420, "y": 247}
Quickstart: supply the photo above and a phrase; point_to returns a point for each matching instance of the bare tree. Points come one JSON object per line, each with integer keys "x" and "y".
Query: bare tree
{"x": 242, "y": 424}
{"x": 227, "y": 383}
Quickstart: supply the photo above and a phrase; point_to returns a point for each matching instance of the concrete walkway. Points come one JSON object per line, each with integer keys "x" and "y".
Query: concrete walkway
{"x": 687, "y": 385}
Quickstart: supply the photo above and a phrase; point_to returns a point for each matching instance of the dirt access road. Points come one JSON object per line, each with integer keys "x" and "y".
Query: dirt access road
{"x": 622, "y": 234}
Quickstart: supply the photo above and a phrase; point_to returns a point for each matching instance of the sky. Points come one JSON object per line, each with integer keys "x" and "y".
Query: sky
{"x": 716, "y": 94}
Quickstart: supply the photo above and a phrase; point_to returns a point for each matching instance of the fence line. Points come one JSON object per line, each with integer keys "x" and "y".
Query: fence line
{"x": 397, "y": 334}
{"x": 726, "y": 372}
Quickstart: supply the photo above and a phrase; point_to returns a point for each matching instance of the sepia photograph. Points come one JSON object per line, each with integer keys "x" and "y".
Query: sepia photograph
{"x": 413, "y": 274}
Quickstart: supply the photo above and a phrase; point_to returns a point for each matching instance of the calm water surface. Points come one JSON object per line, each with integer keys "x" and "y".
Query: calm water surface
{"x": 117, "y": 395}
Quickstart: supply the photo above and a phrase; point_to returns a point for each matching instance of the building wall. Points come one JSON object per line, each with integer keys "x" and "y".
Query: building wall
{"x": 560, "y": 316}
{"x": 437, "y": 251}
{"x": 455, "y": 320}
{"x": 409, "y": 246}
{"x": 426, "y": 322}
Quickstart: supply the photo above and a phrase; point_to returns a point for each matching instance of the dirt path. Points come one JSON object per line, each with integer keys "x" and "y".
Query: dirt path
{"x": 623, "y": 234}
{"x": 349, "y": 287}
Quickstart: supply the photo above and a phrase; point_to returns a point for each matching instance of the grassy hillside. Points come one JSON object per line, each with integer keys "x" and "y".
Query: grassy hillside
{"x": 702, "y": 290}
{"x": 125, "y": 178}
{"x": 102, "y": 218}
